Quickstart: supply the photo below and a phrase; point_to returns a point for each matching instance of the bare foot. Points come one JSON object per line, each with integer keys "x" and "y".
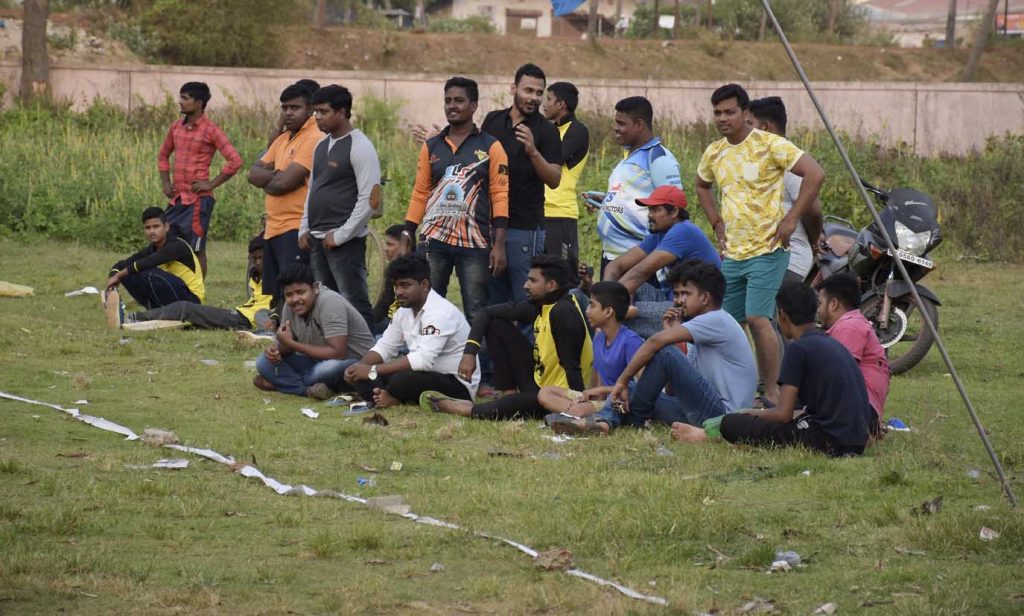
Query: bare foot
{"x": 463, "y": 408}
{"x": 382, "y": 399}
{"x": 685, "y": 433}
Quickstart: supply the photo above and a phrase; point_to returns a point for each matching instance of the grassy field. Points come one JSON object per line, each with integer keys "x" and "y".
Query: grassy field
{"x": 81, "y": 533}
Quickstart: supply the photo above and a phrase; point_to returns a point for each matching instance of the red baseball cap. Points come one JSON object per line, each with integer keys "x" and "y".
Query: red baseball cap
{"x": 665, "y": 195}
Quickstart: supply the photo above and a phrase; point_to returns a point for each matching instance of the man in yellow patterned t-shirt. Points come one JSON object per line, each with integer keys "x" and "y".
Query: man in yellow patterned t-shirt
{"x": 752, "y": 229}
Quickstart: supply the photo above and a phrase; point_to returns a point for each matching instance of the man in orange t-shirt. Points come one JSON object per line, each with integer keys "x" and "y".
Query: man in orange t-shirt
{"x": 283, "y": 173}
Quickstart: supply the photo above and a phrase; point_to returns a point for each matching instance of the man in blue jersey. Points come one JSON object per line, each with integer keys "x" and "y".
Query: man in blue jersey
{"x": 646, "y": 164}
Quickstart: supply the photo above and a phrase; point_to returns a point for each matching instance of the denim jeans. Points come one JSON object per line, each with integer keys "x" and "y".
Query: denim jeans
{"x": 296, "y": 372}
{"x": 665, "y": 411}
{"x": 694, "y": 399}
{"x": 154, "y": 288}
{"x": 344, "y": 270}
{"x": 520, "y": 247}
{"x": 472, "y": 267}
{"x": 651, "y": 303}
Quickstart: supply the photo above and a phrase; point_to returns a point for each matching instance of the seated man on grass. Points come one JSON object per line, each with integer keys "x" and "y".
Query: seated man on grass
{"x": 560, "y": 355}
{"x": 839, "y": 312}
{"x": 614, "y": 345}
{"x": 164, "y": 272}
{"x": 643, "y": 268}
{"x": 253, "y": 314}
{"x": 819, "y": 375}
{"x": 321, "y": 335}
{"x": 716, "y": 376}
{"x": 433, "y": 330}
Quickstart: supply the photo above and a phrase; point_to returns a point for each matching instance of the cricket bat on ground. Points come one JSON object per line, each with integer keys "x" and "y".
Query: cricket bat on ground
{"x": 111, "y": 301}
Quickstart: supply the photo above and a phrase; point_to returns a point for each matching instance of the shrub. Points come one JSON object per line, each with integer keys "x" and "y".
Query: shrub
{"x": 474, "y": 23}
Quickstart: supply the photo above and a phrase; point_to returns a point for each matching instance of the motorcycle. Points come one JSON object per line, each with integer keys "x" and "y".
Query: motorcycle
{"x": 912, "y": 221}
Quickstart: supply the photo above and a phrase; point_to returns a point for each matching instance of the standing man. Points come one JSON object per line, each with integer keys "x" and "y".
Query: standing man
{"x": 344, "y": 184}
{"x": 646, "y": 165}
{"x": 769, "y": 114}
{"x": 193, "y": 142}
{"x": 561, "y": 211}
{"x": 460, "y": 199}
{"x": 753, "y": 233}
{"x": 535, "y": 161}
{"x": 281, "y": 173}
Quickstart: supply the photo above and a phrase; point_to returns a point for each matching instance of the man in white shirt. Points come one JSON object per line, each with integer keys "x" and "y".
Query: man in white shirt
{"x": 435, "y": 332}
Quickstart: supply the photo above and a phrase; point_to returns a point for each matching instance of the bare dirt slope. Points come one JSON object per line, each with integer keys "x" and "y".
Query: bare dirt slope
{"x": 478, "y": 54}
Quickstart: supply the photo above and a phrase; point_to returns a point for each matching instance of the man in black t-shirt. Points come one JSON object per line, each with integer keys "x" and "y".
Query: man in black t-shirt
{"x": 534, "y": 152}
{"x": 818, "y": 373}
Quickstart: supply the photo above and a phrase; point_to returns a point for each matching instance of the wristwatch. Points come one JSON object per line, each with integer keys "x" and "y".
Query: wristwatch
{"x": 372, "y": 373}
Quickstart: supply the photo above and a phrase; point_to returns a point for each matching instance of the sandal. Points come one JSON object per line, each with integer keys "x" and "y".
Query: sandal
{"x": 561, "y": 423}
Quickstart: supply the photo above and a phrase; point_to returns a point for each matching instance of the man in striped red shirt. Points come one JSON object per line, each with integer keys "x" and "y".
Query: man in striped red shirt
{"x": 193, "y": 142}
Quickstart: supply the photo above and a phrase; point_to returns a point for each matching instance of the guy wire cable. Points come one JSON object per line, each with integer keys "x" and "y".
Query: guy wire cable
{"x": 892, "y": 250}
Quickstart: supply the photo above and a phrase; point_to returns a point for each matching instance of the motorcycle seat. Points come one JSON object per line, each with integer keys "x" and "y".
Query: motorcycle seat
{"x": 840, "y": 243}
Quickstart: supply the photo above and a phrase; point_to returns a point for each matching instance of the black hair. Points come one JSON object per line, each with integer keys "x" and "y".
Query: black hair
{"x": 798, "y": 301}
{"x": 771, "y": 109}
{"x": 296, "y": 91}
{"x": 256, "y": 243}
{"x": 295, "y": 273}
{"x": 308, "y": 84}
{"x": 611, "y": 294}
{"x": 467, "y": 84}
{"x": 731, "y": 90}
{"x": 154, "y": 212}
{"x": 412, "y": 266}
{"x": 338, "y": 97}
{"x": 681, "y": 213}
{"x": 552, "y": 268}
{"x": 705, "y": 276}
{"x": 567, "y": 93}
{"x": 844, "y": 287}
{"x": 638, "y": 108}
{"x": 530, "y": 70}
{"x": 198, "y": 91}
{"x": 395, "y": 231}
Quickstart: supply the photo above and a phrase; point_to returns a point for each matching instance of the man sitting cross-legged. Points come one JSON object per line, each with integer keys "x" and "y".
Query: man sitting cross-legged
{"x": 819, "y": 374}
{"x": 839, "y": 312}
{"x": 561, "y": 353}
{"x": 432, "y": 328}
{"x": 321, "y": 335}
{"x": 250, "y": 315}
{"x": 614, "y": 345}
{"x": 716, "y": 376}
{"x": 162, "y": 273}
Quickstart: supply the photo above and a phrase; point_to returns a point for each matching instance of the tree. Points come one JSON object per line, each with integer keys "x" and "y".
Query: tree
{"x": 835, "y": 8}
{"x": 35, "y": 59}
{"x": 320, "y": 15}
{"x": 592, "y": 22}
{"x": 951, "y": 26}
{"x": 988, "y": 22}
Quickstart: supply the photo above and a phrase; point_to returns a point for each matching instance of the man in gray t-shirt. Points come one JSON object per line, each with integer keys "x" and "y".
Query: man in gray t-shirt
{"x": 321, "y": 334}
{"x": 716, "y": 376}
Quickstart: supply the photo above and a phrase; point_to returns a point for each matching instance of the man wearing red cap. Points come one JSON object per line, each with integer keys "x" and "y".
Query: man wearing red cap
{"x": 672, "y": 239}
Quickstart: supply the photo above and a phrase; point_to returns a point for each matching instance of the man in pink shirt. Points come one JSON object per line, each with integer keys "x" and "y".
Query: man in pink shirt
{"x": 839, "y": 312}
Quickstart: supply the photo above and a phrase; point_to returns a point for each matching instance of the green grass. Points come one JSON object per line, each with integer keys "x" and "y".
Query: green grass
{"x": 87, "y": 535}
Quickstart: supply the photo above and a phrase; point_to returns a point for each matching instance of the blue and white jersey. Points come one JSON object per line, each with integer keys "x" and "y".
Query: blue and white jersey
{"x": 622, "y": 224}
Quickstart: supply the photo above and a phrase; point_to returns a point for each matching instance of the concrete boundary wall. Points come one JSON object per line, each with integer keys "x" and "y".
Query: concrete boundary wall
{"x": 934, "y": 118}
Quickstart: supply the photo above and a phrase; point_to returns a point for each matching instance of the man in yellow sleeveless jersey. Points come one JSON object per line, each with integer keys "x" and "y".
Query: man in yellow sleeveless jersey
{"x": 162, "y": 273}
{"x": 561, "y": 209}
{"x": 563, "y": 360}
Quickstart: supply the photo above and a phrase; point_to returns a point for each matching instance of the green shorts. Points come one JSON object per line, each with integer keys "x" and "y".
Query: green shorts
{"x": 751, "y": 284}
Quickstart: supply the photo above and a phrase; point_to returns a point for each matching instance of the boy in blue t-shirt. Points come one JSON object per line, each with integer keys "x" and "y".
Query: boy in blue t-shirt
{"x": 614, "y": 345}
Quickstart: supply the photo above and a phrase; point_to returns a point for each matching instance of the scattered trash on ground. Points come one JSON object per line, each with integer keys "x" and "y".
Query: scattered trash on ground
{"x": 828, "y": 609}
{"x": 159, "y": 436}
{"x": 390, "y": 504}
{"x": 897, "y": 425}
{"x": 310, "y": 413}
{"x": 988, "y": 534}
{"x": 436, "y": 568}
{"x": 249, "y": 363}
{"x": 929, "y": 507}
{"x": 981, "y": 507}
{"x": 758, "y": 605}
{"x": 789, "y": 556}
{"x": 83, "y": 291}
{"x": 168, "y": 463}
{"x": 377, "y": 420}
{"x": 806, "y": 473}
{"x": 559, "y": 438}
{"x": 368, "y": 469}
{"x": 124, "y": 341}
{"x": 396, "y": 466}
{"x": 357, "y": 408}
{"x": 908, "y": 551}
{"x": 209, "y": 362}
{"x": 367, "y": 482}
{"x": 555, "y": 559}
{"x": 81, "y": 402}
{"x": 974, "y": 473}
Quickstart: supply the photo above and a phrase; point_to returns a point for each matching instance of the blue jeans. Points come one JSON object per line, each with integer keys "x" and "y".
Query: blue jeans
{"x": 694, "y": 399}
{"x": 651, "y": 303}
{"x": 472, "y": 267}
{"x": 154, "y": 288}
{"x": 344, "y": 270}
{"x": 296, "y": 372}
{"x": 521, "y": 247}
{"x": 665, "y": 411}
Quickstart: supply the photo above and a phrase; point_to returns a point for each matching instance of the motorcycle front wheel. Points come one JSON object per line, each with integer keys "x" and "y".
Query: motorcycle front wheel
{"x": 906, "y": 338}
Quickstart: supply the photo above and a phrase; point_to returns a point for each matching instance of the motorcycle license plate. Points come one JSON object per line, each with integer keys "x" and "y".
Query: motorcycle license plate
{"x": 906, "y": 256}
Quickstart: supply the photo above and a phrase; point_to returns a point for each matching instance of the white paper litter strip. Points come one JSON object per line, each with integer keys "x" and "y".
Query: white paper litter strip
{"x": 83, "y": 291}
{"x": 253, "y": 472}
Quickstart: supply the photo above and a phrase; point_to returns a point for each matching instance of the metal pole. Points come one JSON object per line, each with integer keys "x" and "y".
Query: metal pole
{"x": 892, "y": 250}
